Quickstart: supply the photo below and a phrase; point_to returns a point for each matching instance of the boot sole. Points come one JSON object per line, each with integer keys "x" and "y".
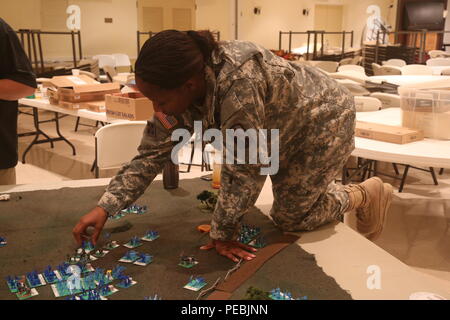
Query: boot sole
{"x": 386, "y": 199}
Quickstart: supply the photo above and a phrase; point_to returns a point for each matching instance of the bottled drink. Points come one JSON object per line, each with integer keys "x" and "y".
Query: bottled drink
{"x": 216, "y": 175}
{"x": 170, "y": 176}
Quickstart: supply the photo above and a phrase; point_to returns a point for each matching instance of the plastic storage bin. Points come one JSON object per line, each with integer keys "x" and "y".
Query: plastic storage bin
{"x": 426, "y": 110}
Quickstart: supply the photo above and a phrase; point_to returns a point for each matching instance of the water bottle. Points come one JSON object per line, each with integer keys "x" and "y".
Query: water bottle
{"x": 170, "y": 176}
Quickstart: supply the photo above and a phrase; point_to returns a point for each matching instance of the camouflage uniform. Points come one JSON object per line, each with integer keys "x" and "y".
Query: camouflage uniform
{"x": 249, "y": 87}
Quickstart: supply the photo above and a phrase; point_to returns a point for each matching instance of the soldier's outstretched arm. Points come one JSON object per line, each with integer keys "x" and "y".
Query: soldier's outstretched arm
{"x": 134, "y": 177}
{"x": 239, "y": 189}
{"x": 241, "y": 183}
{"x": 130, "y": 182}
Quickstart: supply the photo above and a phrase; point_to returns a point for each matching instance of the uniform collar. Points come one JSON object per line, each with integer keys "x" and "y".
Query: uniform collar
{"x": 210, "y": 97}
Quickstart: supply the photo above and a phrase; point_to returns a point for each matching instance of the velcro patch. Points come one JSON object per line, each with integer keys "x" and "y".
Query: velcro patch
{"x": 168, "y": 122}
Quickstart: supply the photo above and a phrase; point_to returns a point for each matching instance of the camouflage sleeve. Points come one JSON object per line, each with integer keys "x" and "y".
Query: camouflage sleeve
{"x": 134, "y": 177}
{"x": 242, "y": 108}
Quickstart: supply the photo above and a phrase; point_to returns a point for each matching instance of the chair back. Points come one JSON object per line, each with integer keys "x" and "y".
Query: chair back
{"x": 395, "y": 63}
{"x": 122, "y": 60}
{"x": 390, "y": 71}
{"x": 438, "y": 53}
{"x": 352, "y": 67}
{"x": 105, "y": 60}
{"x": 416, "y": 70}
{"x": 117, "y": 143}
{"x": 438, "y": 62}
{"x": 363, "y": 104}
{"x": 388, "y": 100}
{"x": 328, "y": 66}
{"x": 445, "y": 72}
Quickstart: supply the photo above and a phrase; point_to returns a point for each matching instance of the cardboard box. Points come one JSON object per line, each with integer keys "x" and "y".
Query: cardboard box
{"x": 129, "y": 106}
{"x": 434, "y": 125}
{"x": 52, "y": 95}
{"x": 82, "y": 88}
{"x": 72, "y": 105}
{"x": 392, "y": 134}
{"x": 96, "y": 106}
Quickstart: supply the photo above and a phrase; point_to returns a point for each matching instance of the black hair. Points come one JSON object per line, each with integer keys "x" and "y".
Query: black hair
{"x": 171, "y": 57}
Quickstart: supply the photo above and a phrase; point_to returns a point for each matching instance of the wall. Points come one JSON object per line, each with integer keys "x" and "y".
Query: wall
{"x": 168, "y": 16}
{"x": 106, "y": 38}
{"x": 283, "y": 15}
{"x": 358, "y": 9}
{"x": 329, "y": 18}
{"x": 216, "y": 15}
{"x": 97, "y": 36}
{"x": 22, "y": 14}
{"x": 120, "y": 36}
{"x": 287, "y": 15}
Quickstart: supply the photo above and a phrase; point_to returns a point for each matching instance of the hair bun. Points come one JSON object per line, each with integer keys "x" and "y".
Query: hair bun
{"x": 205, "y": 42}
{"x": 171, "y": 57}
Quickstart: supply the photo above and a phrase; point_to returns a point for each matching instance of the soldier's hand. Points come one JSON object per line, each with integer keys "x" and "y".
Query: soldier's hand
{"x": 97, "y": 219}
{"x": 231, "y": 249}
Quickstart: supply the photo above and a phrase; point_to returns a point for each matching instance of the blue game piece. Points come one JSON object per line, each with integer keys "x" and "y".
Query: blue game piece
{"x": 13, "y": 283}
{"x": 62, "y": 268}
{"x": 135, "y": 241}
{"x": 130, "y": 256}
{"x": 117, "y": 272}
{"x": 3, "y": 242}
{"x": 33, "y": 279}
{"x": 87, "y": 246}
{"x": 144, "y": 258}
{"x": 125, "y": 282}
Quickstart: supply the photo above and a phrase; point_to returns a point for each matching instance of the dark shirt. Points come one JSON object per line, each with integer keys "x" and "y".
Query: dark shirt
{"x": 14, "y": 65}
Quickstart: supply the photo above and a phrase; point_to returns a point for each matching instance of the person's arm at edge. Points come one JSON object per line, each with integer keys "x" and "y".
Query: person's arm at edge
{"x": 11, "y": 90}
{"x": 17, "y": 78}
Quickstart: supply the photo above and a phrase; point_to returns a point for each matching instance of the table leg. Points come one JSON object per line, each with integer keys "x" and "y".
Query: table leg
{"x": 433, "y": 174}
{"x": 396, "y": 169}
{"x": 77, "y": 124}
{"x": 375, "y": 168}
{"x": 61, "y": 136}
{"x": 405, "y": 174}
{"x": 94, "y": 165}
{"x": 37, "y": 132}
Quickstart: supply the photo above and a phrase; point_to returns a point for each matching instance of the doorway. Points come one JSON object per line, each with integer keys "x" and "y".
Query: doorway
{"x": 158, "y": 15}
{"x": 329, "y": 18}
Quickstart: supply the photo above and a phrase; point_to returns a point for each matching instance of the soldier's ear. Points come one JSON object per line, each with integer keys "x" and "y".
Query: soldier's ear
{"x": 190, "y": 85}
{"x": 195, "y": 83}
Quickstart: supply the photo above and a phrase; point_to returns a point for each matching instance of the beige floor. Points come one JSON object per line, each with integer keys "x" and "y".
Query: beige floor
{"x": 417, "y": 229}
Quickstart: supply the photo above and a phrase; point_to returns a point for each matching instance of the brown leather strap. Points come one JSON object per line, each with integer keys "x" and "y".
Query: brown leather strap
{"x": 219, "y": 295}
{"x": 224, "y": 290}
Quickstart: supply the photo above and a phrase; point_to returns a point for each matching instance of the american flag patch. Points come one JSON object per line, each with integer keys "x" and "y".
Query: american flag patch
{"x": 167, "y": 121}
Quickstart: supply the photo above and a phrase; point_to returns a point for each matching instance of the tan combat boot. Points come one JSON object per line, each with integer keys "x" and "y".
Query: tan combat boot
{"x": 371, "y": 200}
